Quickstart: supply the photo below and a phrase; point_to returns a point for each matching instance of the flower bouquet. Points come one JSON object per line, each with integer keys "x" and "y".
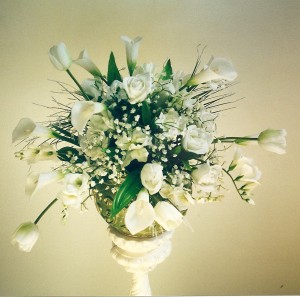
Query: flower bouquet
{"x": 142, "y": 144}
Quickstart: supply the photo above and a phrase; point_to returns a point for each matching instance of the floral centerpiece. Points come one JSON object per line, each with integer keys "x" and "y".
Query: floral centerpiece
{"x": 143, "y": 144}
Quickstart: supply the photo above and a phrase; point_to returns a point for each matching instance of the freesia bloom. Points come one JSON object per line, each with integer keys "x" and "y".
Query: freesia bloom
{"x": 76, "y": 183}
{"x": 273, "y": 140}
{"x": 85, "y": 62}
{"x": 60, "y": 57}
{"x": 140, "y": 214}
{"x": 152, "y": 177}
{"x": 167, "y": 215}
{"x": 35, "y": 181}
{"x": 132, "y": 50}
{"x": 27, "y": 128}
{"x": 70, "y": 200}
{"x": 26, "y": 236}
{"x": 82, "y": 111}
{"x": 137, "y": 87}
{"x": 217, "y": 69}
{"x": 206, "y": 177}
{"x": 44, "y": 152}
{"x": 196, "y": 140}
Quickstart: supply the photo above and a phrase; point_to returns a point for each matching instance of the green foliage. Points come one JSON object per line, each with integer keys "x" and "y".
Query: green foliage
{"x": 70, "y": 153}
{"x": 127, "y": 192}
{"x": 167, "y": 71}
{"x": 146, "y": 113}
{"x": 113, "y": 71}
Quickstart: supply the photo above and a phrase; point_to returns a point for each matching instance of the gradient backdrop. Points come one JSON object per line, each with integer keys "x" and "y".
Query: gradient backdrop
{"x": 235, "y": 248}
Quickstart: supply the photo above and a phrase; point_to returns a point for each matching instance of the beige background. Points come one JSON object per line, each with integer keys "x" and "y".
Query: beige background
{"x": 235, "y": 248}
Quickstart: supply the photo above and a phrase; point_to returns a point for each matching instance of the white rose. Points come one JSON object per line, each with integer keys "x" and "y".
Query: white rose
{"x": 140, "y": 154}
{"x": 206, "y": 176}
{"x": 26, "y": 236}
{"x": 167, "y": 215}
{"x": 137, "y": 87}
{"x": 273, "y": 140}
{"x": 92, "y": 87}
{"x": 196, "y": 140}
{"x": 152, "y": 177}
{"x": 102, "y": 121}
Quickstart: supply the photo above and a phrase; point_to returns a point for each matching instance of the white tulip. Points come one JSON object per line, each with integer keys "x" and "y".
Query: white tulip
{"x": 28, "y": 128}
{"x": 26, "y": 236}
{"x": 140, "y": 213}
{"x": 137, "y": 87}
{"x": 217, "y": 69}
{"x": 82, "y": 111}
{"x": 132, "y": 50}
{"x": 152, "y": 177}
{"x": 167, "y": 215}
{"x": 206, "y": 177}
{"x": 273, "y": 140}
{"x": 196, "y": 140}
{"x": 35, "y": 181}
{"x": 60, "y": 57}
{"x": 85, "y": 62}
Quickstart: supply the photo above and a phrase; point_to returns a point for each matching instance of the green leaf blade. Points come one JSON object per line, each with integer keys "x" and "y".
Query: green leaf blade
{"x": 146, "y": 113}
{"x": 167, "y": 71}
{"x": 113, "y": 71}
{"x": 127, "y": 192}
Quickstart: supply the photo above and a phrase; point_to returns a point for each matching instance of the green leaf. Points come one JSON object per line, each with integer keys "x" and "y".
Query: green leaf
{"x": 167, "y": 71}
{"x": 176, "y": 150}
{"x": 146, "y": 113}
{"x": 187, "y": 165}
{"x": 113, "y": 71}
{"x": 67, "y": 153}
{"x": 127, "y": 192}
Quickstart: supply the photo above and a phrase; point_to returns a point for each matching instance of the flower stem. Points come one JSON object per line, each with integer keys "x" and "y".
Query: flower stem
{"x": 233, "y": 181}
{"x": 235, "y": 139}
{"x": 78, "y": 84}
{"x": 45, "y": 210}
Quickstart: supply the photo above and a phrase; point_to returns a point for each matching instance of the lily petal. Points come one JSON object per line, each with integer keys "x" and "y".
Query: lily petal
{"x": 35, "y": 181}
{"x": 82, "y": 111}
{"x": 86, "y": 63}
{"x": 27, "y": 127}
{"x": 140, "y": 214}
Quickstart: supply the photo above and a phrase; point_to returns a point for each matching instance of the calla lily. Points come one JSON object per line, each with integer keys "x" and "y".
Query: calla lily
{"x": 273, "y": 140}
{"x": 167, "y": 215}
{"x": 26, "y": 236}
{"x": 82, "y": 111}
{"x": 60, "y": 57}
{"x": 85, "y": 62}
{"x": 27, "y": 127}
{"x": 44, "y": 152}
{"x": 132, "y": 50}
{"x": 140, "y": 214}
{"x": 218, "y": 68}
{"x": 92, "y": 88}
{"x": 35, "y": 181}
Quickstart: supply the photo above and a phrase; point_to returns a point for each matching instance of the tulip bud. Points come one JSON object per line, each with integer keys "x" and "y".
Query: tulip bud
{"x": 26, "y": 236}
{"x": 60, "y": 57}
{"x": 273, "y": 140}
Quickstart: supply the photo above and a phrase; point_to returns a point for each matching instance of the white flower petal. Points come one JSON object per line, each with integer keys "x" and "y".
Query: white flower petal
{"x": 82, "y": 111}
{"x": 273, "y": 140}
{"x": 140, "y": 214}
{"x": 85, "y": 62}
{"x": 167, "y": 215}
{"x": 60, "y": 57}
{"x": 26, "y": 236}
